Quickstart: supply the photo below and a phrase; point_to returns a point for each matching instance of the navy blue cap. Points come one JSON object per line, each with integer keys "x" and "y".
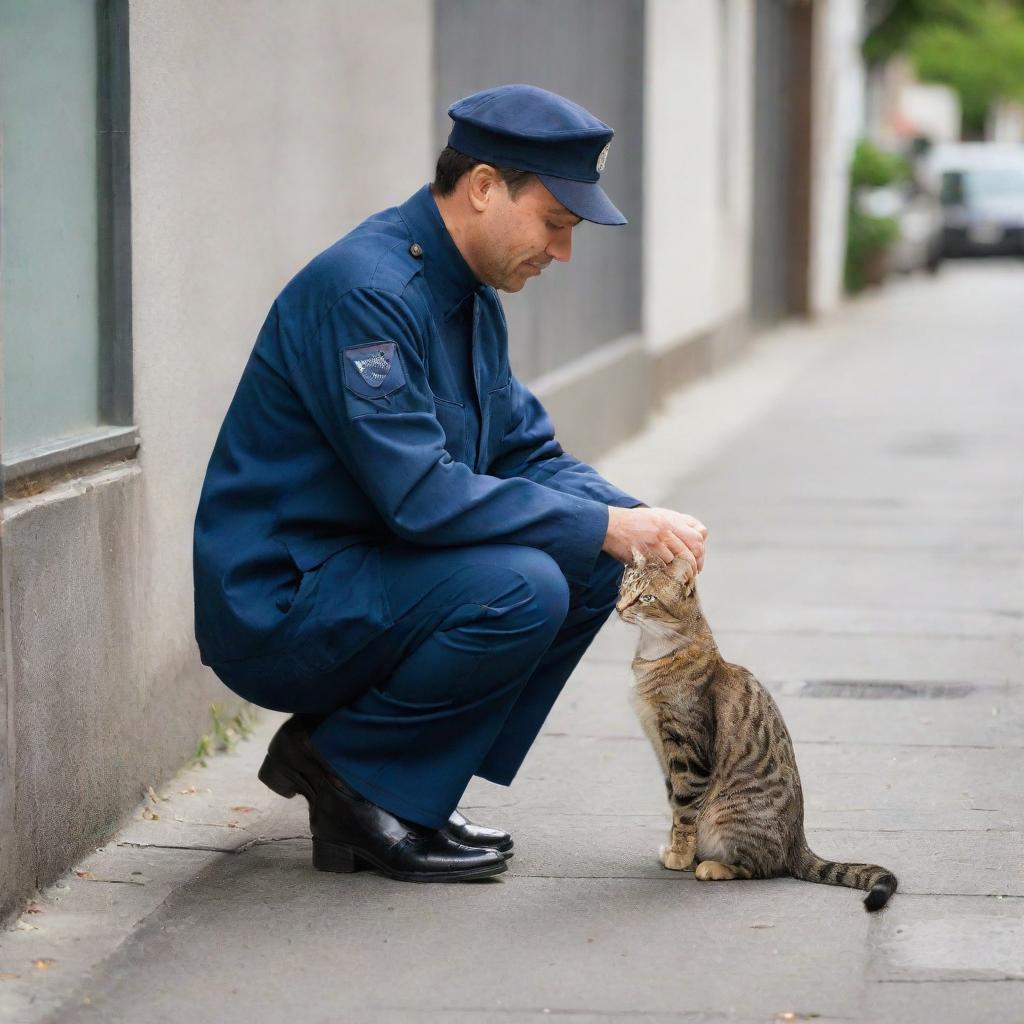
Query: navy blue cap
{"x": 531, "y": 129}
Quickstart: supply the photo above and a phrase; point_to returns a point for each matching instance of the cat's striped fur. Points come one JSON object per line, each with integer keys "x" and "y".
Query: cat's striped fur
{"x": 732, "y": 781}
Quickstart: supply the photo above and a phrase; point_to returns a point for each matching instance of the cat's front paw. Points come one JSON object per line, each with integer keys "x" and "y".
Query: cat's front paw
{"x": 674, "y": 860}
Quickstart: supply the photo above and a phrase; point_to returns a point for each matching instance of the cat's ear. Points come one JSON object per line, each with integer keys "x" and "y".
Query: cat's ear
{"x": 639, "y": 559}
{"x": 680, "y": 570}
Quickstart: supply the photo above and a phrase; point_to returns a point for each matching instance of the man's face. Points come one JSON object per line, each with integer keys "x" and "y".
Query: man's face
{"x": 521, "y": 236}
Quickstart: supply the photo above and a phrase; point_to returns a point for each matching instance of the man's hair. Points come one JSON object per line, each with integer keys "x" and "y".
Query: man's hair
{"x": 452, "y": 165}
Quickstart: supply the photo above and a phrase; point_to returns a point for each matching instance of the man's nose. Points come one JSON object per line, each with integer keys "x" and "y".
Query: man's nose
{"x": 560, "y": 248}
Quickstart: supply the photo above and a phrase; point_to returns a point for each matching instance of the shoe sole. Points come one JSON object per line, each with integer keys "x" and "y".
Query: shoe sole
{"x": 334, "y": 857}
{"x": 288, "y": 783}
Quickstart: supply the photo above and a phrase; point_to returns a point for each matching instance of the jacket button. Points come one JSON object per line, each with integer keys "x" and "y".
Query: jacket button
{"x": 416, "y": 250}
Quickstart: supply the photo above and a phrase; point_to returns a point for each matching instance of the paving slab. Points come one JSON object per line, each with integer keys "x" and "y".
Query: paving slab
{"x": 863, "y": 482}
{"x": 619, "y": 946}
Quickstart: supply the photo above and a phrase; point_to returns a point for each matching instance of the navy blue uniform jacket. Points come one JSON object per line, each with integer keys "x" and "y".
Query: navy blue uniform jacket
{"x": 348, "y": 428}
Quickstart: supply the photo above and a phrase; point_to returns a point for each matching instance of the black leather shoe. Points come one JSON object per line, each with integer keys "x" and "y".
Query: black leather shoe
{"x": 292, "y": 765}
{"x": 350, "y": 834}
{"x": 465, "y": 831}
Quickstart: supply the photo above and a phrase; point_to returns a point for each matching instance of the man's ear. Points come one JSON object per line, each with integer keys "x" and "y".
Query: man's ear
{"x": 483, "y": 179}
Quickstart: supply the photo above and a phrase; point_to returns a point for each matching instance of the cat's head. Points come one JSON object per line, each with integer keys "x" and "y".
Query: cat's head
{"x": 652, "y": 591}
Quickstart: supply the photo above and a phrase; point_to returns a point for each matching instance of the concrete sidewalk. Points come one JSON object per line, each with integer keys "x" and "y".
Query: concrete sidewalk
{"x": 862, "y": 481}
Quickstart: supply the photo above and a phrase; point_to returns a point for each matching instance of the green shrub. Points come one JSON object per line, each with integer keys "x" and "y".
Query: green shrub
{"x": 873, "y": 168}
{"x": 868, "y": 237}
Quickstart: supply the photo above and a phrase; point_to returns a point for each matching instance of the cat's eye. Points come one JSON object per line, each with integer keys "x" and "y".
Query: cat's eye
{"x": 647, "y": 598}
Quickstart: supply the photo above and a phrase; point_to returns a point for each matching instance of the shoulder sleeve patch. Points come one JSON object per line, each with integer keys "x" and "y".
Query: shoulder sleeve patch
{"x": 374, "y": 369}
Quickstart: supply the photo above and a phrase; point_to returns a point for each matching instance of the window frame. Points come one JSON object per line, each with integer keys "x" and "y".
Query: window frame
{"x": 116, "y": 436}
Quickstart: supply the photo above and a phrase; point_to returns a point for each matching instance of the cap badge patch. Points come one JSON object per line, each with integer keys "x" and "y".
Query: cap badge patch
{"x": 602, "y": 158}
{"x": 373, "y": 369}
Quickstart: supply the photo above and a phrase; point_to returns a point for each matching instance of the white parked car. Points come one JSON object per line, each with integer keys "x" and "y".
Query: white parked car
{"x": 981, "y": 186}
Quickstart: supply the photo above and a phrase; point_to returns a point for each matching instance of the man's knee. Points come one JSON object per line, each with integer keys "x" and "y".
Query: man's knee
{"x": 541, "y": 574}
{"x": 526, "y": 588}
{"x": 507, "y": 606}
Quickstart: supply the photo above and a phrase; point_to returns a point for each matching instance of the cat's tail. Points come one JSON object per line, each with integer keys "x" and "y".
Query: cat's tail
{"x": 879, "y": 883}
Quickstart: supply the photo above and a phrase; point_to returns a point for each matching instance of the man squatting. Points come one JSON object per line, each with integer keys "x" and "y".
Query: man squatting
{"x": 390, "y": 543}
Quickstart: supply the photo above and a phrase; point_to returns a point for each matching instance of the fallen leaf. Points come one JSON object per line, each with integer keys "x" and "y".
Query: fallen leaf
{"x": 152, "y": 795}
{"x": 24, "y": 926}
{"x": 242, "y": 809}
{"x": 231, "y": 824}
{"x": 85, "y": 874}
{"x": 44, "y": 964}
{"x": 149, "y": 814}
{"x": 762, "y": 924}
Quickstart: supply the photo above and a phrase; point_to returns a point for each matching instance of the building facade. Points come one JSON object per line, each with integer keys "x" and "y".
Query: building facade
{"x": 166, "y": 168}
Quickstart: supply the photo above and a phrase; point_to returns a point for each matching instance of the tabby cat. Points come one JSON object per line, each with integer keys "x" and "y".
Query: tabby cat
{"x": 733, "y": 786}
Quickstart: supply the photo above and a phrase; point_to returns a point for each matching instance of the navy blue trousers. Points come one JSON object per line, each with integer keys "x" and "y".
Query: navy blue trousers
{"x": 482, "y": 643}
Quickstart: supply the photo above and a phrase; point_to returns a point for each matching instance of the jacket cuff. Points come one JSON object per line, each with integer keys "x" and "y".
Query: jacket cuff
{"x": 580, "y": 557}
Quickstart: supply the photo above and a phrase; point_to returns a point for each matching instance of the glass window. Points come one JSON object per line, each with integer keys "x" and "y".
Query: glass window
{"x": 49, "y": 273}
{"x": 65, "y": 237}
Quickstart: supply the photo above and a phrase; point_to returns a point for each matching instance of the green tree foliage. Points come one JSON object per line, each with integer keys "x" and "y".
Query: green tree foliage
{"x": 974, "y": 46}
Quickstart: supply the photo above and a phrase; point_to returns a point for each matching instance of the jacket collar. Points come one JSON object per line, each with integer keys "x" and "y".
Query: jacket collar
{"x": 448, "y": 275}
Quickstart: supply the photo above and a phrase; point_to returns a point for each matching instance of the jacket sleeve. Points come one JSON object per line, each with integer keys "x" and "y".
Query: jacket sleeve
{"x": 363, "y": 379}
{"x": 529, "y": 450}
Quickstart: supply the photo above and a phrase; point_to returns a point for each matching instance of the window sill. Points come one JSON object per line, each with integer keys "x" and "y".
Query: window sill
{"x": 30, "y": 470}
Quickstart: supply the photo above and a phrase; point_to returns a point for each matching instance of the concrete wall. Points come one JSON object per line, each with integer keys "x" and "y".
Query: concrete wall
{"x": 898, "y": 107}
{"x": 591, "y": 51}
{"x": 838, "y": 118}
{"x": 574, "y": 334}
{"x": 248, "y": 157}
{"x": 698, "y": 176}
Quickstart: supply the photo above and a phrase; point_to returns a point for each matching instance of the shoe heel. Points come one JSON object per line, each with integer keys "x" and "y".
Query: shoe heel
{"x": 274, "y": 777}
{"x": 331, "y": 857}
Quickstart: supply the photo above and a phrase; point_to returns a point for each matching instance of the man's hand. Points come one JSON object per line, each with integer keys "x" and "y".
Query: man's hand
{"x": 659, "y": 532}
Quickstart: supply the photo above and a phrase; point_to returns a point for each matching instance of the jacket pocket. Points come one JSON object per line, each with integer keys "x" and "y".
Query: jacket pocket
{"x": 310, "y": 552}
{"x": 307, "y": 554}
{"x": 497, "y": 411}
{"x": 339, "y": 607}
{"x": 347, "y": 609}
{"x": 452, "y": 417}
